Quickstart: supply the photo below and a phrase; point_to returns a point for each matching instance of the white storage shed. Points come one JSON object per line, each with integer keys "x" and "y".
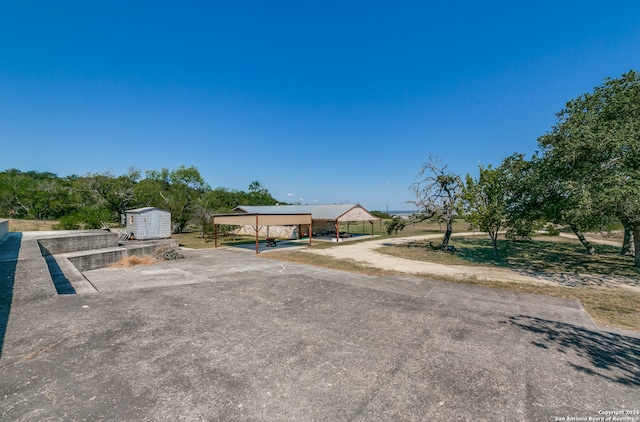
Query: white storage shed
{"x": 148, "y": 223}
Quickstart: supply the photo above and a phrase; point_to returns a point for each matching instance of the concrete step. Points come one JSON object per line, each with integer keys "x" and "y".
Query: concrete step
{"x": 35, "y": 265}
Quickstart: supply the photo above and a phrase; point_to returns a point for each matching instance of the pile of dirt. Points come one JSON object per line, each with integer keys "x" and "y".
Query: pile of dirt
{"x": 132, "y": 260}
{"x": 162, "y": 253}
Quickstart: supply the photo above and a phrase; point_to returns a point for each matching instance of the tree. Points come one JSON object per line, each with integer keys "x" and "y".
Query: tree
{"x": 395, "y": 225}
{"x": 539, "y": 191}
{"x": 524, "y": 200}
{"x": 567, "y": 197}
{"x": 259, "y": 195}
{"x": 483, "y": 203}
{"x": 436, "y": 191}
{"x": 116, "y": 192}
{"x": 175, "y": 190}
{"x": 35, "y": 195}
{"x": 628, "y": 248}
{"x": 593, "y": 153}
{"x": 220, "y": 200}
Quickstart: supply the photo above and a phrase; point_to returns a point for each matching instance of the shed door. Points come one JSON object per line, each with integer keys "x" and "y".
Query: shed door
{"x": 153, "y": 225}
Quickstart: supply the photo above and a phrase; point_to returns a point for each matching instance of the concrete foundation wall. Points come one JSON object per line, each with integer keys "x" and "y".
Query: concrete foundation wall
{"x": 83, "y": 241}
{"x": 94, "y": 259}
{"x": 4, "y": 229}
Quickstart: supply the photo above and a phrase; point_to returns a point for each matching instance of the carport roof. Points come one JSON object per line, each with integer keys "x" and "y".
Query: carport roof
{"x": 261, "y": 219}
{"x": 333, "y": 212}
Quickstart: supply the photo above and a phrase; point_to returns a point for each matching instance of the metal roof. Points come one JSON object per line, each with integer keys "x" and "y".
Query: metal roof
{"x": 262, "y": 219}
{"x": 333, "y": 212}
{"x": 143, "y": 209}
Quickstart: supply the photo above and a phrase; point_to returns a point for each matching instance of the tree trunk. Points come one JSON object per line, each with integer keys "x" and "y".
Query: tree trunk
{"x": 590, "y": 249}
{"x": 636, "y": 242}
{"x": 627, "y": 240}
{"x": 447, "y": 236}
{"x": 494, "y": 240}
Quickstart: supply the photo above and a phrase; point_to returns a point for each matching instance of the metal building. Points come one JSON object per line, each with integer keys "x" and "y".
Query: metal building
{"x": 148, "y": 223}
{"x": 326, "y": 219}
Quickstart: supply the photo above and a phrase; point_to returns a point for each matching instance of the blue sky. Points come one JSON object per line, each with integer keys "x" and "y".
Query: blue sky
{"x": 322, "y": 102}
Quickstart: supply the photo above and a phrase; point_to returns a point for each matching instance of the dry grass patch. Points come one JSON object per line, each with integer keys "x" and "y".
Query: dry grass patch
{"x": 327, "y": 262}
{"x": 195, "y": 240}
{"x": 133, "y": 260}
{"x": 19, "y": 225}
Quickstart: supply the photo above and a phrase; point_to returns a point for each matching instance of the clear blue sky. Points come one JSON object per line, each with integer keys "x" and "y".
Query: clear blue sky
{"x": 322, "y": 102}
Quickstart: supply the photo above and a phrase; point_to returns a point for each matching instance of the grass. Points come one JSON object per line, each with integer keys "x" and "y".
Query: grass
{"x": 18, "y": 225}
{"x": 327, "y": 262}
{"x": 548, "y": 254}
{"x": 429, "y": 227}
{"x": 194, "y": 240}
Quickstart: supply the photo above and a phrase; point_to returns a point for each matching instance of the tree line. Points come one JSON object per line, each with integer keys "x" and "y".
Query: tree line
{"x": 585, "y": 177}
{"x": 88, "y": 201}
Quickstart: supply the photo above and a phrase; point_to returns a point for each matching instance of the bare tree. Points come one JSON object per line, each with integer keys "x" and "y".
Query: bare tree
{"x": 437, "y": 191}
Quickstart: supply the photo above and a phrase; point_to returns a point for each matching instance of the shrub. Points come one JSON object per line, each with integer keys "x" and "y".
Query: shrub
{"x": 552, "y": 230}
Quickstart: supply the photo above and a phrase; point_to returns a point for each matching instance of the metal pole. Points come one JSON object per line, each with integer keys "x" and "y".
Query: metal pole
{"x": 257, "y": 250}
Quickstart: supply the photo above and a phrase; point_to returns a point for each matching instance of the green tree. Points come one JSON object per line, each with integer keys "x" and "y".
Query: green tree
{"x": 34, "y": 195}
{"x": 177, "y": 191}
{"x": 116, "y": 193}
{"x": 483, "y": 203}
{"x": 220, "y": 200}
{"x": 258, "y": 195}
{"x": 524, "y": 207}
{"x": 593, "y": 154}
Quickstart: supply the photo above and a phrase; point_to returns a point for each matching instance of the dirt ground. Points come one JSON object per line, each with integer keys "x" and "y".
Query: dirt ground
{"x": 368, "y": 254}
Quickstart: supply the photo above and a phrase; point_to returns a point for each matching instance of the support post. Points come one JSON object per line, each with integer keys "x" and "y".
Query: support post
{"x": 257, "y": 228}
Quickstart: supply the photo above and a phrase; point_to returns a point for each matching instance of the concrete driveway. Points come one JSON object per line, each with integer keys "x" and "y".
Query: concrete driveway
{"x": 225, "y": 335}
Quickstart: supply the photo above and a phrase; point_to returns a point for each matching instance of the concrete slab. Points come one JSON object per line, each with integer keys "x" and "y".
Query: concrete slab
{"x": 227, "y": 335}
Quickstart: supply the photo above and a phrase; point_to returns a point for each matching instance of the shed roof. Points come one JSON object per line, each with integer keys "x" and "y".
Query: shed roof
{"x": 143, "y": 209}
{"x": 333, "y": 212}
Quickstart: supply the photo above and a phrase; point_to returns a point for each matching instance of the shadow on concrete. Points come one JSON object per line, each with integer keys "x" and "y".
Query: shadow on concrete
{"x": 611, "y": 356}
{"x": 60, "y": 281}
{"x": 9, "y": 251}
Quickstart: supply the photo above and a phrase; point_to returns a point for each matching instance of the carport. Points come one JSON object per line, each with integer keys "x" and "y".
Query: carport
{"x": 258, "y": 220}
{"x": 322, "y": 215}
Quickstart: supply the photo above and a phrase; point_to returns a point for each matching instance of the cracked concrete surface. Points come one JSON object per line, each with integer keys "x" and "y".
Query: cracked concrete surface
{"x": 225, "y": 335}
